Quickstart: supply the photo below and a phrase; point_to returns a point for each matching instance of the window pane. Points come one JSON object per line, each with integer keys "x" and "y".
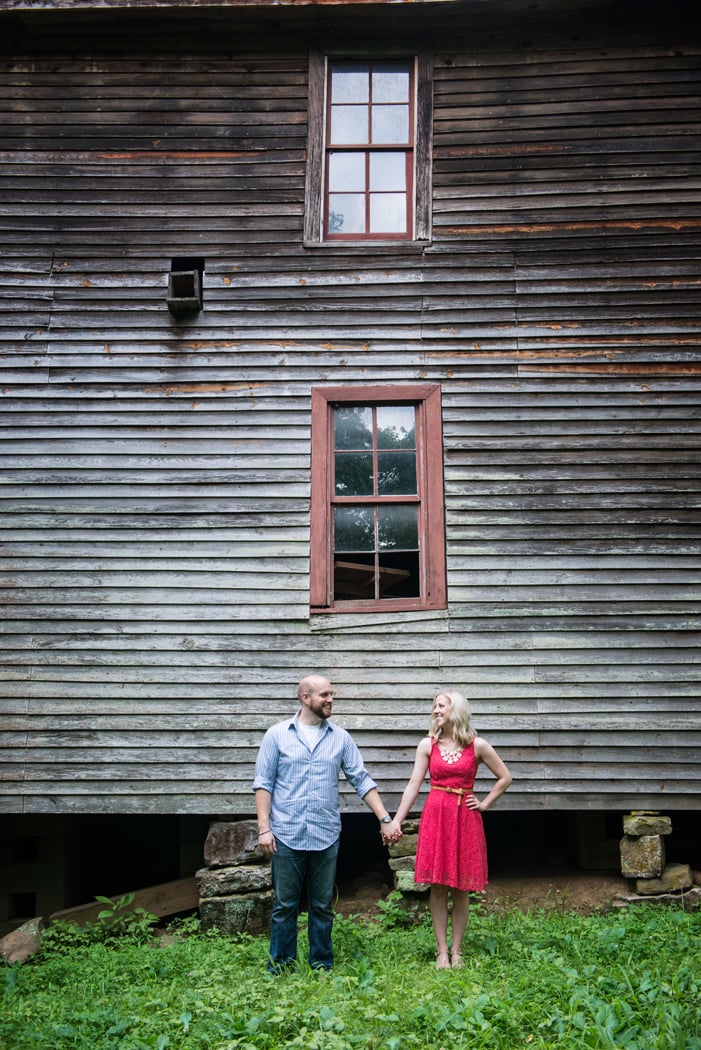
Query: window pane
{"x": 398, "y": 528}
{"x": 346, "y": 213}
{"x": 396, "y": 426}
{"x": 388, "y": 213}
{"x": 350, "y": 84}
{"x": 390, "y": 84}
{"x": 387, "y": 171}
{"x": 399, "y": 575}
{"x": 354, "y": 577}
{"x": 352, "y": 426}
{"x": 350, "y": 124}
{"x": 389, "y": 124}
{"x": 354, "y": 473}
{"x": 347, "y": 172}
{"x": 396, "y": 473}
{"x": 353, "y": 529}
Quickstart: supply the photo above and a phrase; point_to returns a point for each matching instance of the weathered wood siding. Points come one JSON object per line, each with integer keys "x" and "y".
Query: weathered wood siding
{"x": 154, "y": 536}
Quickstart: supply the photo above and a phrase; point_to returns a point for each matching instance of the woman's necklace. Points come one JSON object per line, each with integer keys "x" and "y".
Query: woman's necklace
{"x": 451, "y": 753}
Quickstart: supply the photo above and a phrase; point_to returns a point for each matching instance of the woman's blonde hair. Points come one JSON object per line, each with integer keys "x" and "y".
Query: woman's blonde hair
{"x": 463, "y": 733}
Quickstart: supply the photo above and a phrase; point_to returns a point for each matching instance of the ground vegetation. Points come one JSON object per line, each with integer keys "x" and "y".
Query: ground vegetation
{"x": 626, "y": 978}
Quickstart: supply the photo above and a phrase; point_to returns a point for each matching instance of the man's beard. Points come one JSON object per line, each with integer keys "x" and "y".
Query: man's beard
{"x": 320, "y": 709}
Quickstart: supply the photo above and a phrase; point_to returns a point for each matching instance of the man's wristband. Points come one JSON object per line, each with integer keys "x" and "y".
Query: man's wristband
{"x": 386, "y": 819}
{"x": 266, "y": 832}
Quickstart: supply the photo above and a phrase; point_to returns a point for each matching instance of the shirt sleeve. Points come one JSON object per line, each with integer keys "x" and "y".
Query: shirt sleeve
{"x": 353, "y": 768}
{"x": 266, "y": 763}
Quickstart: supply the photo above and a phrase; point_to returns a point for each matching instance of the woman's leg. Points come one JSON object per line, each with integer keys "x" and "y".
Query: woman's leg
{"x": 438, "y": 903}
{"x": 460, "y": 913}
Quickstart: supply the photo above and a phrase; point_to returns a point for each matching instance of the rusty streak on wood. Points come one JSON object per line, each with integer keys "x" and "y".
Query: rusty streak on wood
{"x": 506, "y": 151}
{"x": 126, "y": 5}
{"x": 575, "y": 227}
{"x": 228, "y": 344}
{"x": 624, "y": 341}
{"x": 557, "y": 348}
{"x": 203, "y": 388}
{"x": 172, "y": 154}
{"x": 609, "y": 368}
{"x": 560, "y": 326}
{"x": 212, "y": 344}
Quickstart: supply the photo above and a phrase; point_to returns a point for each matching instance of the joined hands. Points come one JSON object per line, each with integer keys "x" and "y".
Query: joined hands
{"x": 391, "y": 832}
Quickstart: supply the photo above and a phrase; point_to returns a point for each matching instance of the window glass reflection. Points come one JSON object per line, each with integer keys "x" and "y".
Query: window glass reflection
{"x": 388, "y": 213}
{"x": 389, "y": 124}
{"x": 347, "y": 172}
{"x": 346, "y": 213}
{"x": 349, "y": 124}
{"x": 387, "y": 171}
{"x": 352, "y": 426}
{"x": 398, "y": 527}
{"x": 396, "y": 474}
{"x": 354, "y": 529}
{"x": 350, "y": 83}
{"x": 390, "y": 83}
{"x": 396, "y": 426}
{"x": 353, "y": 474}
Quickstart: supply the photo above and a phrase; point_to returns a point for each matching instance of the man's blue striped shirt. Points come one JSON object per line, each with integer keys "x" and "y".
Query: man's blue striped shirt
{"x": 305, "y": 809}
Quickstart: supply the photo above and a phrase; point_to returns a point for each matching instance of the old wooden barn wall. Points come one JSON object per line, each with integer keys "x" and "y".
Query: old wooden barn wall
{"x": 155, "y": 475}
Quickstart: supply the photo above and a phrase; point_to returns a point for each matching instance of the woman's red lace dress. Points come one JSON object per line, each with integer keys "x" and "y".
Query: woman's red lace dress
{"x": 452, "y": 849}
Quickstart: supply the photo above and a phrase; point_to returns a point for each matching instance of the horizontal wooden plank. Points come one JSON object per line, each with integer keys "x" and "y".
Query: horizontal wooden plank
{"x": 198, "y": 804}
{"x": 632, "y": 725}
{"x": 599, "y": 647}
{"x": 168, "y": 898}
{"x": 558, "y": 777}
{"x": 104, "y": 790}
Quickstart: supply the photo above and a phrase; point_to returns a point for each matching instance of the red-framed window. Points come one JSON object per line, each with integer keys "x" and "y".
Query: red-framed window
{"x": 369, "y": 165}
{"x": 377, "y": 510}
{"x": 371, "y": 186}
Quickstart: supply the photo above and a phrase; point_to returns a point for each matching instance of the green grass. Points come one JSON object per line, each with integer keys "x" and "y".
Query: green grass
{"x": 626, "y": 980}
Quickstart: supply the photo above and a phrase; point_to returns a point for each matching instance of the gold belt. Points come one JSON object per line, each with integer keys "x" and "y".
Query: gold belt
{"x": 453, "y": 791}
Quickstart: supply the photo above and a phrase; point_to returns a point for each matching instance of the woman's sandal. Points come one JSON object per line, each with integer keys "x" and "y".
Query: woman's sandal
{"x": 442, "y": 961}
{"x": 456, "y": 961}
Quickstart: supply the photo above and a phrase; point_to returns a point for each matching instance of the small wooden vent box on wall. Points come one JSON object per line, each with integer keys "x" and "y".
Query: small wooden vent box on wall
{"x": 184, "y": 291}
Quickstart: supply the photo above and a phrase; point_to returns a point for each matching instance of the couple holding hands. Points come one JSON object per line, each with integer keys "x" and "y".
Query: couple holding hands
{"x": 299, "y": 822}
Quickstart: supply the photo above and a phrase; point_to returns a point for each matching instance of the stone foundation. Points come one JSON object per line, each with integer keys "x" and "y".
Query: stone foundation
{"x": 235, "y": 889}
{"x": 402, "y": 858}
{"x": 674, "y": 878}
{"x": 643, "y": 856}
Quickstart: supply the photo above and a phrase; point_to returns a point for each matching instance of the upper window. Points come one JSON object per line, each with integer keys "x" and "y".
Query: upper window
{"x": 377, "y": 499}
{"x": 369, "y": 150}
{"x": 368, "y": 156}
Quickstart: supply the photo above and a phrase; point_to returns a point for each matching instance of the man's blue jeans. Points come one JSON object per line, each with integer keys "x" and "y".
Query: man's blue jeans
{"x": 292, "y": 869}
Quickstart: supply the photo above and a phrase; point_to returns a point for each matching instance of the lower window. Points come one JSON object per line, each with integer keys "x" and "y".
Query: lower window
{"x": 377, "y": 518}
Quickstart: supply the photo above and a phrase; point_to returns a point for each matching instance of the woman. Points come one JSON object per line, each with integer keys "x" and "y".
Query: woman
{"x": 452, "y": 852}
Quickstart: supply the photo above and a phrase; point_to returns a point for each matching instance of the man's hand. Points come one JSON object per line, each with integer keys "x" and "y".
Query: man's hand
{"x": 266, "y": 843}
{"x": 391, "y": 832}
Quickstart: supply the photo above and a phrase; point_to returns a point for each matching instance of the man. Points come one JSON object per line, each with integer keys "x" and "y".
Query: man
{"x": 299, "y": 820}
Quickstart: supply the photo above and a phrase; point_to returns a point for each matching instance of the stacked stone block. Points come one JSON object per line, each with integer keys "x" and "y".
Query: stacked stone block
{"x": 643, "y": 856}
{"x": 402, "y": 859}
{"x": 235, "y": 889}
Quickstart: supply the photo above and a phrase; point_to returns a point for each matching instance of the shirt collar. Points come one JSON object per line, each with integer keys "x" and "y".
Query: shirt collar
{"x": 325, "y": 725}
